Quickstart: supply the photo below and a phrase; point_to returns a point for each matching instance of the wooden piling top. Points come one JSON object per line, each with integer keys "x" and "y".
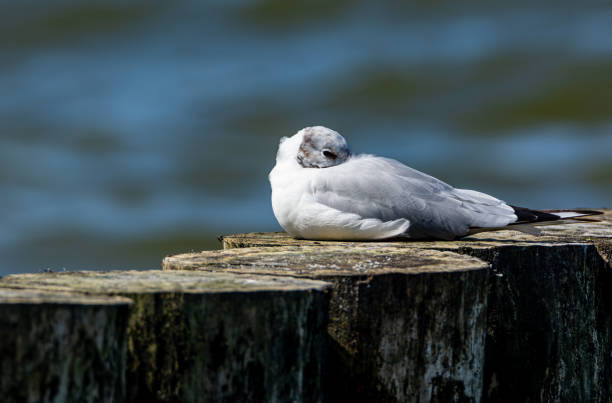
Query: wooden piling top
{"x": 324, "y": 261}
{"x": 127, "y": 282}
{"x": 594, "y": 233}
{"x": 569, "y": 232}
{"x": 37, "y": 297}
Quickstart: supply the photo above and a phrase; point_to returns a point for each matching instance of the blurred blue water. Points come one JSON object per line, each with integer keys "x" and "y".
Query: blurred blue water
{"x": 130, "y": 132}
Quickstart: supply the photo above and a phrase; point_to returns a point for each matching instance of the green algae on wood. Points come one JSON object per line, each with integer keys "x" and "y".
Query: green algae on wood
{"x": 64, "y": 347}
{"x": 401, "y": 320}
{"x": 211, "y": 336}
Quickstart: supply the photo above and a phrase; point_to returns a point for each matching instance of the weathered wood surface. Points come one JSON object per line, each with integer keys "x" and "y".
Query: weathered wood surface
{"x": 62, "y": 347}
{"x": 405, "y": 325}
{"x": 549, "y": 312}
{"x": 218, "y": 337}
{"x": 598, "y": 234}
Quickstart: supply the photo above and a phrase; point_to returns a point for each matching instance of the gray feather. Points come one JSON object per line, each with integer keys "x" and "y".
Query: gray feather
{"x": 376, "y": 187}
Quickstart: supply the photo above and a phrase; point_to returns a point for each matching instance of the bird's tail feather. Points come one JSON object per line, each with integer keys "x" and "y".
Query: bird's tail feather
{"x": 525, "y": 215}
{"x": 574, "y": 214}
{"x": 528, "y": 219}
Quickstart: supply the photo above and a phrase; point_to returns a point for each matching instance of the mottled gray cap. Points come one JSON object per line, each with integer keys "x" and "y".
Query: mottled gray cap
{"x": 321, "y": 148}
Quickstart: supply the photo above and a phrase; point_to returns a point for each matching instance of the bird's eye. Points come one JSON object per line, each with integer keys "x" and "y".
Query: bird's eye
{"x": 329, "y": 154}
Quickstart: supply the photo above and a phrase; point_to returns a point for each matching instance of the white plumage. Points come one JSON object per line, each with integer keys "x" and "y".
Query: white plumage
{"x": 320, "y": 191}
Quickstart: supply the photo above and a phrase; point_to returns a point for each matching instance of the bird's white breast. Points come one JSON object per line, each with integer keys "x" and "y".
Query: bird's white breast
{"x": 290, "y": 192}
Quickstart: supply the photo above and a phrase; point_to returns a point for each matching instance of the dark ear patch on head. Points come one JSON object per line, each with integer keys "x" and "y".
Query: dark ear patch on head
{"x": 306, "y": 139}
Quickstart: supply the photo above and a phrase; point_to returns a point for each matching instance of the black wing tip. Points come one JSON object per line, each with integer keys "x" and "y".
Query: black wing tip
{"x": 525, "y": 215}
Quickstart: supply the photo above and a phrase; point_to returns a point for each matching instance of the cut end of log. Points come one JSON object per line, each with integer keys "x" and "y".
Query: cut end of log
{"x": 323, "y": 262}
{"x": 153, "y": 281}
{"x": 191, "y": 336}
{"x": 378, "y": 299}
{"x": 39, "y": 297}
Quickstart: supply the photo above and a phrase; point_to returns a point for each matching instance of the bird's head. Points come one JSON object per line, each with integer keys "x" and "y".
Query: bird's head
{"x": 315, "y": 147}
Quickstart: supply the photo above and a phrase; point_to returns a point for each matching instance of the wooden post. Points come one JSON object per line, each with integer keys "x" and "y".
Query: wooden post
{"x": 196, "y": 337}
{"x": 62, "y": 347}
{"x": 406, "y": 325}
{"x": 549, "y": 307}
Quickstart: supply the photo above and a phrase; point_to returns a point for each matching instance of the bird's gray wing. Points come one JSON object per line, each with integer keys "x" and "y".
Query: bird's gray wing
{"x": 382, "y": 188}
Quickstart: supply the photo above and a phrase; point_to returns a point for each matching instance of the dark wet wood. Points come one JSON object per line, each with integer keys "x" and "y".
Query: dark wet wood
{"x": 62, "y": 347}
{"x": 401, "y": 320}
{"x": 549, "y": 305}
{"x": 191, "y": 336}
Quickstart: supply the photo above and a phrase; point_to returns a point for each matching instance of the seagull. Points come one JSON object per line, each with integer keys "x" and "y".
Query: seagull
{"x": 321, "y": 191}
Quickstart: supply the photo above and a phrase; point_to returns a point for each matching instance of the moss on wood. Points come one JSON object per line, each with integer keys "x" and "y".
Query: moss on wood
{"x": 400, "y": 319}
{"x": 210, "y": 336}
